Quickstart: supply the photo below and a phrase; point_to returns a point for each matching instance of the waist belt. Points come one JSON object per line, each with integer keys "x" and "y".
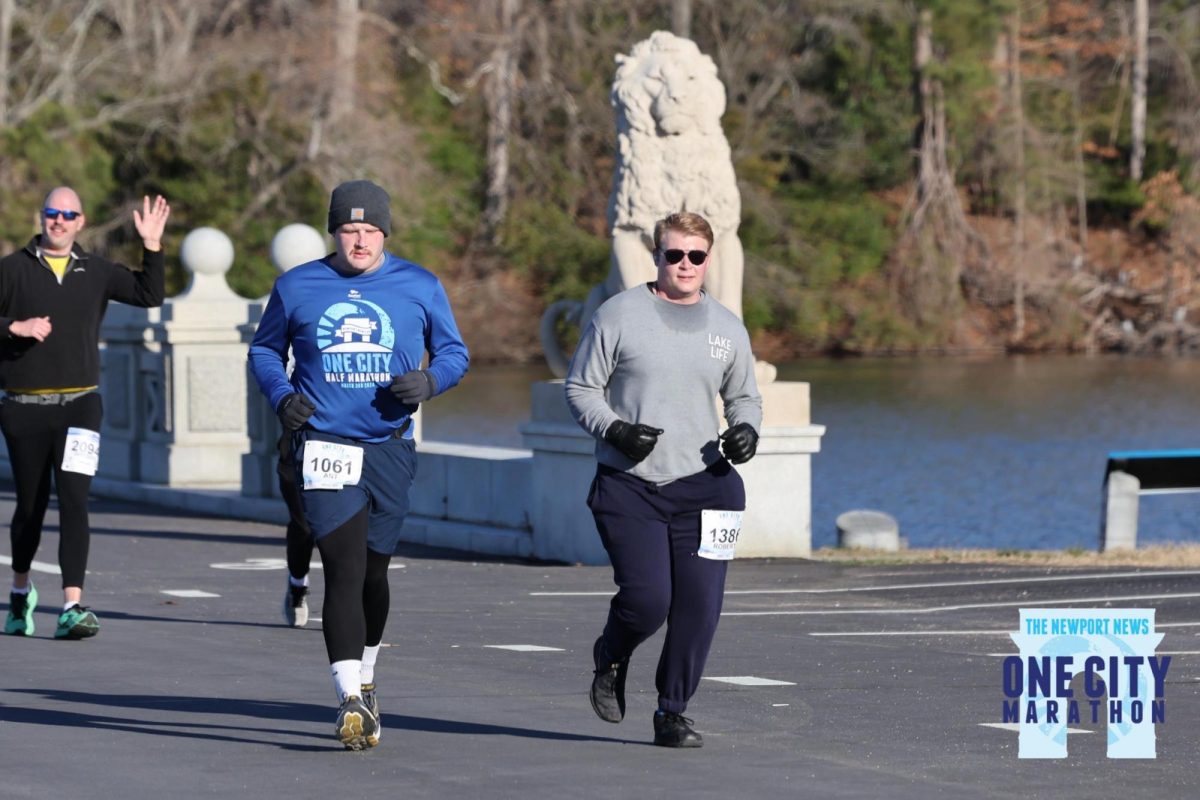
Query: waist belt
{"x": 46, "y": 398}
{"x": 399, "y": 432}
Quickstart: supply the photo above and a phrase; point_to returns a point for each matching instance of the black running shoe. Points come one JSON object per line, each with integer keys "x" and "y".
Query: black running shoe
{"x": 356, "y": 727}
{"x": 608, "y": 684}
{"x": 675, "y": 730}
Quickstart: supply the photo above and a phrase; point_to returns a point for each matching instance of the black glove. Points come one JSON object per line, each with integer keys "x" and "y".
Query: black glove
{"x": 739, "y": 443}
{"x": 413, "y": 387}
{"x": 295, "y": 410}
{"x": 635, "y": 441}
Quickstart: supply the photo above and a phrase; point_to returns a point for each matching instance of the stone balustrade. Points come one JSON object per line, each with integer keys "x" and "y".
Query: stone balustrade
{"x": 186, "y": 426}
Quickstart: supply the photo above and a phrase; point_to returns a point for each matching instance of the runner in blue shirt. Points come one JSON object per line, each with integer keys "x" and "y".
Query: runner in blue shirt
{"x": 359, "y": 322}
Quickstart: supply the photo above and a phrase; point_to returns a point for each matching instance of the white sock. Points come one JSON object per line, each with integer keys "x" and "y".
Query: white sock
{"x": 298, "y": 581}
{"x": 28, "y": 586}
{"x": 370, "y": 654}
{"x": 72, "y": 604}
{"x": 347, "y": 678}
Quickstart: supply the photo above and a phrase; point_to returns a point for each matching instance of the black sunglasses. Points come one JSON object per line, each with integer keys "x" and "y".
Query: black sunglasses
{"x": 55, "y": 213}
{"x": 695, "y": 256}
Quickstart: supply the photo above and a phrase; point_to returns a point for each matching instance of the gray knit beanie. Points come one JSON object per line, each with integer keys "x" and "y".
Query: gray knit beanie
{"x": 360, "y": 201}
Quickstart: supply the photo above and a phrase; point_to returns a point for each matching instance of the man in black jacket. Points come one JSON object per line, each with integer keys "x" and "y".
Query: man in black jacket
{"x": 53, "y": 296}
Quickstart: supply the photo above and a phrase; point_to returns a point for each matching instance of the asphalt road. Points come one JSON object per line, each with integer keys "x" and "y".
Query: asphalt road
{"x": 840, "y": 682}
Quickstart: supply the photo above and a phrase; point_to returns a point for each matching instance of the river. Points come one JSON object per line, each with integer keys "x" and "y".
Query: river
{"x": 998, "y": 452}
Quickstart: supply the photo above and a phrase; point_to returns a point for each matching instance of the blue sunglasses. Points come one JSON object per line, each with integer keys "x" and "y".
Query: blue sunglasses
{"x": 55, "y": 213}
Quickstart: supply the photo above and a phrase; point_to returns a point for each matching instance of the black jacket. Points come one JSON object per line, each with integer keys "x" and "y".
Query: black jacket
{"x": 69, "y": 358}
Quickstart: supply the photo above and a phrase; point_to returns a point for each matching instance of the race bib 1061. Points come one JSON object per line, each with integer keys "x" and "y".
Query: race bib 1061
{"x": 330, "y": 465}
{"x": 719, "y": 532}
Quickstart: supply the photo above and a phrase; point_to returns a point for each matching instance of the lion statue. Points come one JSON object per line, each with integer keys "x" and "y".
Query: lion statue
{"x": 672, "y": 155}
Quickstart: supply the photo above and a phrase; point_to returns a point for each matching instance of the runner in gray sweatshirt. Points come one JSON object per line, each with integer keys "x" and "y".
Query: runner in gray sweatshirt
{"x": 644, "y": 381}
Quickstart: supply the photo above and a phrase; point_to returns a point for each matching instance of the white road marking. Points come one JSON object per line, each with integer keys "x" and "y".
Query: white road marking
{"x": 913, "y": 633}
{"x": 1157, "y": 653}
{"x": 780, "y": 705}
{"x": 1016, "y": 727}
{"x": 954, "y": 584}
{"x": 188, "y": 593}
{"x": 1048, "y": 603}
{"x": 525, "y": 648}
{"x": 749, "y": 680}
{"x": 996, "y": 632}
{"x": 572, "y": 594}
{"x": 947, "y": 584}
{"x": 35, "y": 566}
{"x": 264, "y": 564}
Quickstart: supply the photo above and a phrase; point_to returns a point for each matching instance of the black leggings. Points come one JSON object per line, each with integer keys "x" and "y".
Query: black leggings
{"x": 36, "y": 436}
{"x": 356, "y": 590}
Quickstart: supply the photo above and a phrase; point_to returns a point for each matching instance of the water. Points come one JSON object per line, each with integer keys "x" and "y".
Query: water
{"x": 1000, "y": 453}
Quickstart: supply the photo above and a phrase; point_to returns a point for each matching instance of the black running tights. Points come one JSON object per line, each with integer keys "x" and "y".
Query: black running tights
{"x": 356, "y": 590}
{"x": 36, "y": 435}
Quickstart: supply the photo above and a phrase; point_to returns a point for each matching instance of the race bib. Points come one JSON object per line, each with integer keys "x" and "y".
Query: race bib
{"x": 82, "y": 453}
{"x": 719, "y": 532}
{"x": 330, "y": 465}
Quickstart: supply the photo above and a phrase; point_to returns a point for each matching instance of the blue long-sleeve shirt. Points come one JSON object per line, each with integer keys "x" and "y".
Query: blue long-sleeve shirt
{"x": 350, "y": 334}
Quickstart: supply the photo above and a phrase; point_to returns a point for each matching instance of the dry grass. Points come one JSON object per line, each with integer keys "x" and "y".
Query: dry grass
{"x": 1167, "y": 555}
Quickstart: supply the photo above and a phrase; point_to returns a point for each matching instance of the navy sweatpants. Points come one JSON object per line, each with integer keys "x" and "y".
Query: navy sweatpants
{"x": 651, "y": 534}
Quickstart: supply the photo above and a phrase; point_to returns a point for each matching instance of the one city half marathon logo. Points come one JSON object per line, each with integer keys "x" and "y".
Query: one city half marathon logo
{"x": 1086, "y": 665}
{"x": 356, "y": 340}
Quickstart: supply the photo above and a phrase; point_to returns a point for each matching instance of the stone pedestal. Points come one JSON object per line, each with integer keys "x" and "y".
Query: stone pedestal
{"x": 778, "y": 520}
{"x": 175, "y": 379}
{"x": 564, "y": 464}
{"x": 1118, "y": 527}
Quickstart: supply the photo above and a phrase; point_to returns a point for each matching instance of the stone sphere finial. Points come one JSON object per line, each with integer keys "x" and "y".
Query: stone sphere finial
{"x": 206, "y": 251}
{"x": 297, "y": 244}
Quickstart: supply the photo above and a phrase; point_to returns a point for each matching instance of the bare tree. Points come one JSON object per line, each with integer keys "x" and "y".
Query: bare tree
{"x": 346, "y": 25}
{"x": 681, "y": 18}
{"x": 1141, "y": 35}
{"x": 6, "y": 20}
{"x": 1017, "y": 104}
{"x": 937, "y": 241}
{"x": 501, "y": 94}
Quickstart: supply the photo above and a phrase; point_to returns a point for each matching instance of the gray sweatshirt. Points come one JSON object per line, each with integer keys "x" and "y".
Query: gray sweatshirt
{"x": 645, "y": 359}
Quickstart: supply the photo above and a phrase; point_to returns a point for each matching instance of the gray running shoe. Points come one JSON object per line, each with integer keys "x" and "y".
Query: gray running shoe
{"x": 295, "y": 605}
{"x": 608, "y": 684}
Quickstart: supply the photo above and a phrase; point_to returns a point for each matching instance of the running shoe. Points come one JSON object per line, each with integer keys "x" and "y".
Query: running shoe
{"x": 675, "y": 730}
{"x": 372, "y": 703}
{"x": 20, "y": 613}
{"x": 77, "y": 622}
{"x": 295, "y": 605}
{"x": 608, "y": 684}
{"x": 356, "y": 726}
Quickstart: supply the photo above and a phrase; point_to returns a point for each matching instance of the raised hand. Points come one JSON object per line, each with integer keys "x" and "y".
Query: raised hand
{"x": 152, "y": 221}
